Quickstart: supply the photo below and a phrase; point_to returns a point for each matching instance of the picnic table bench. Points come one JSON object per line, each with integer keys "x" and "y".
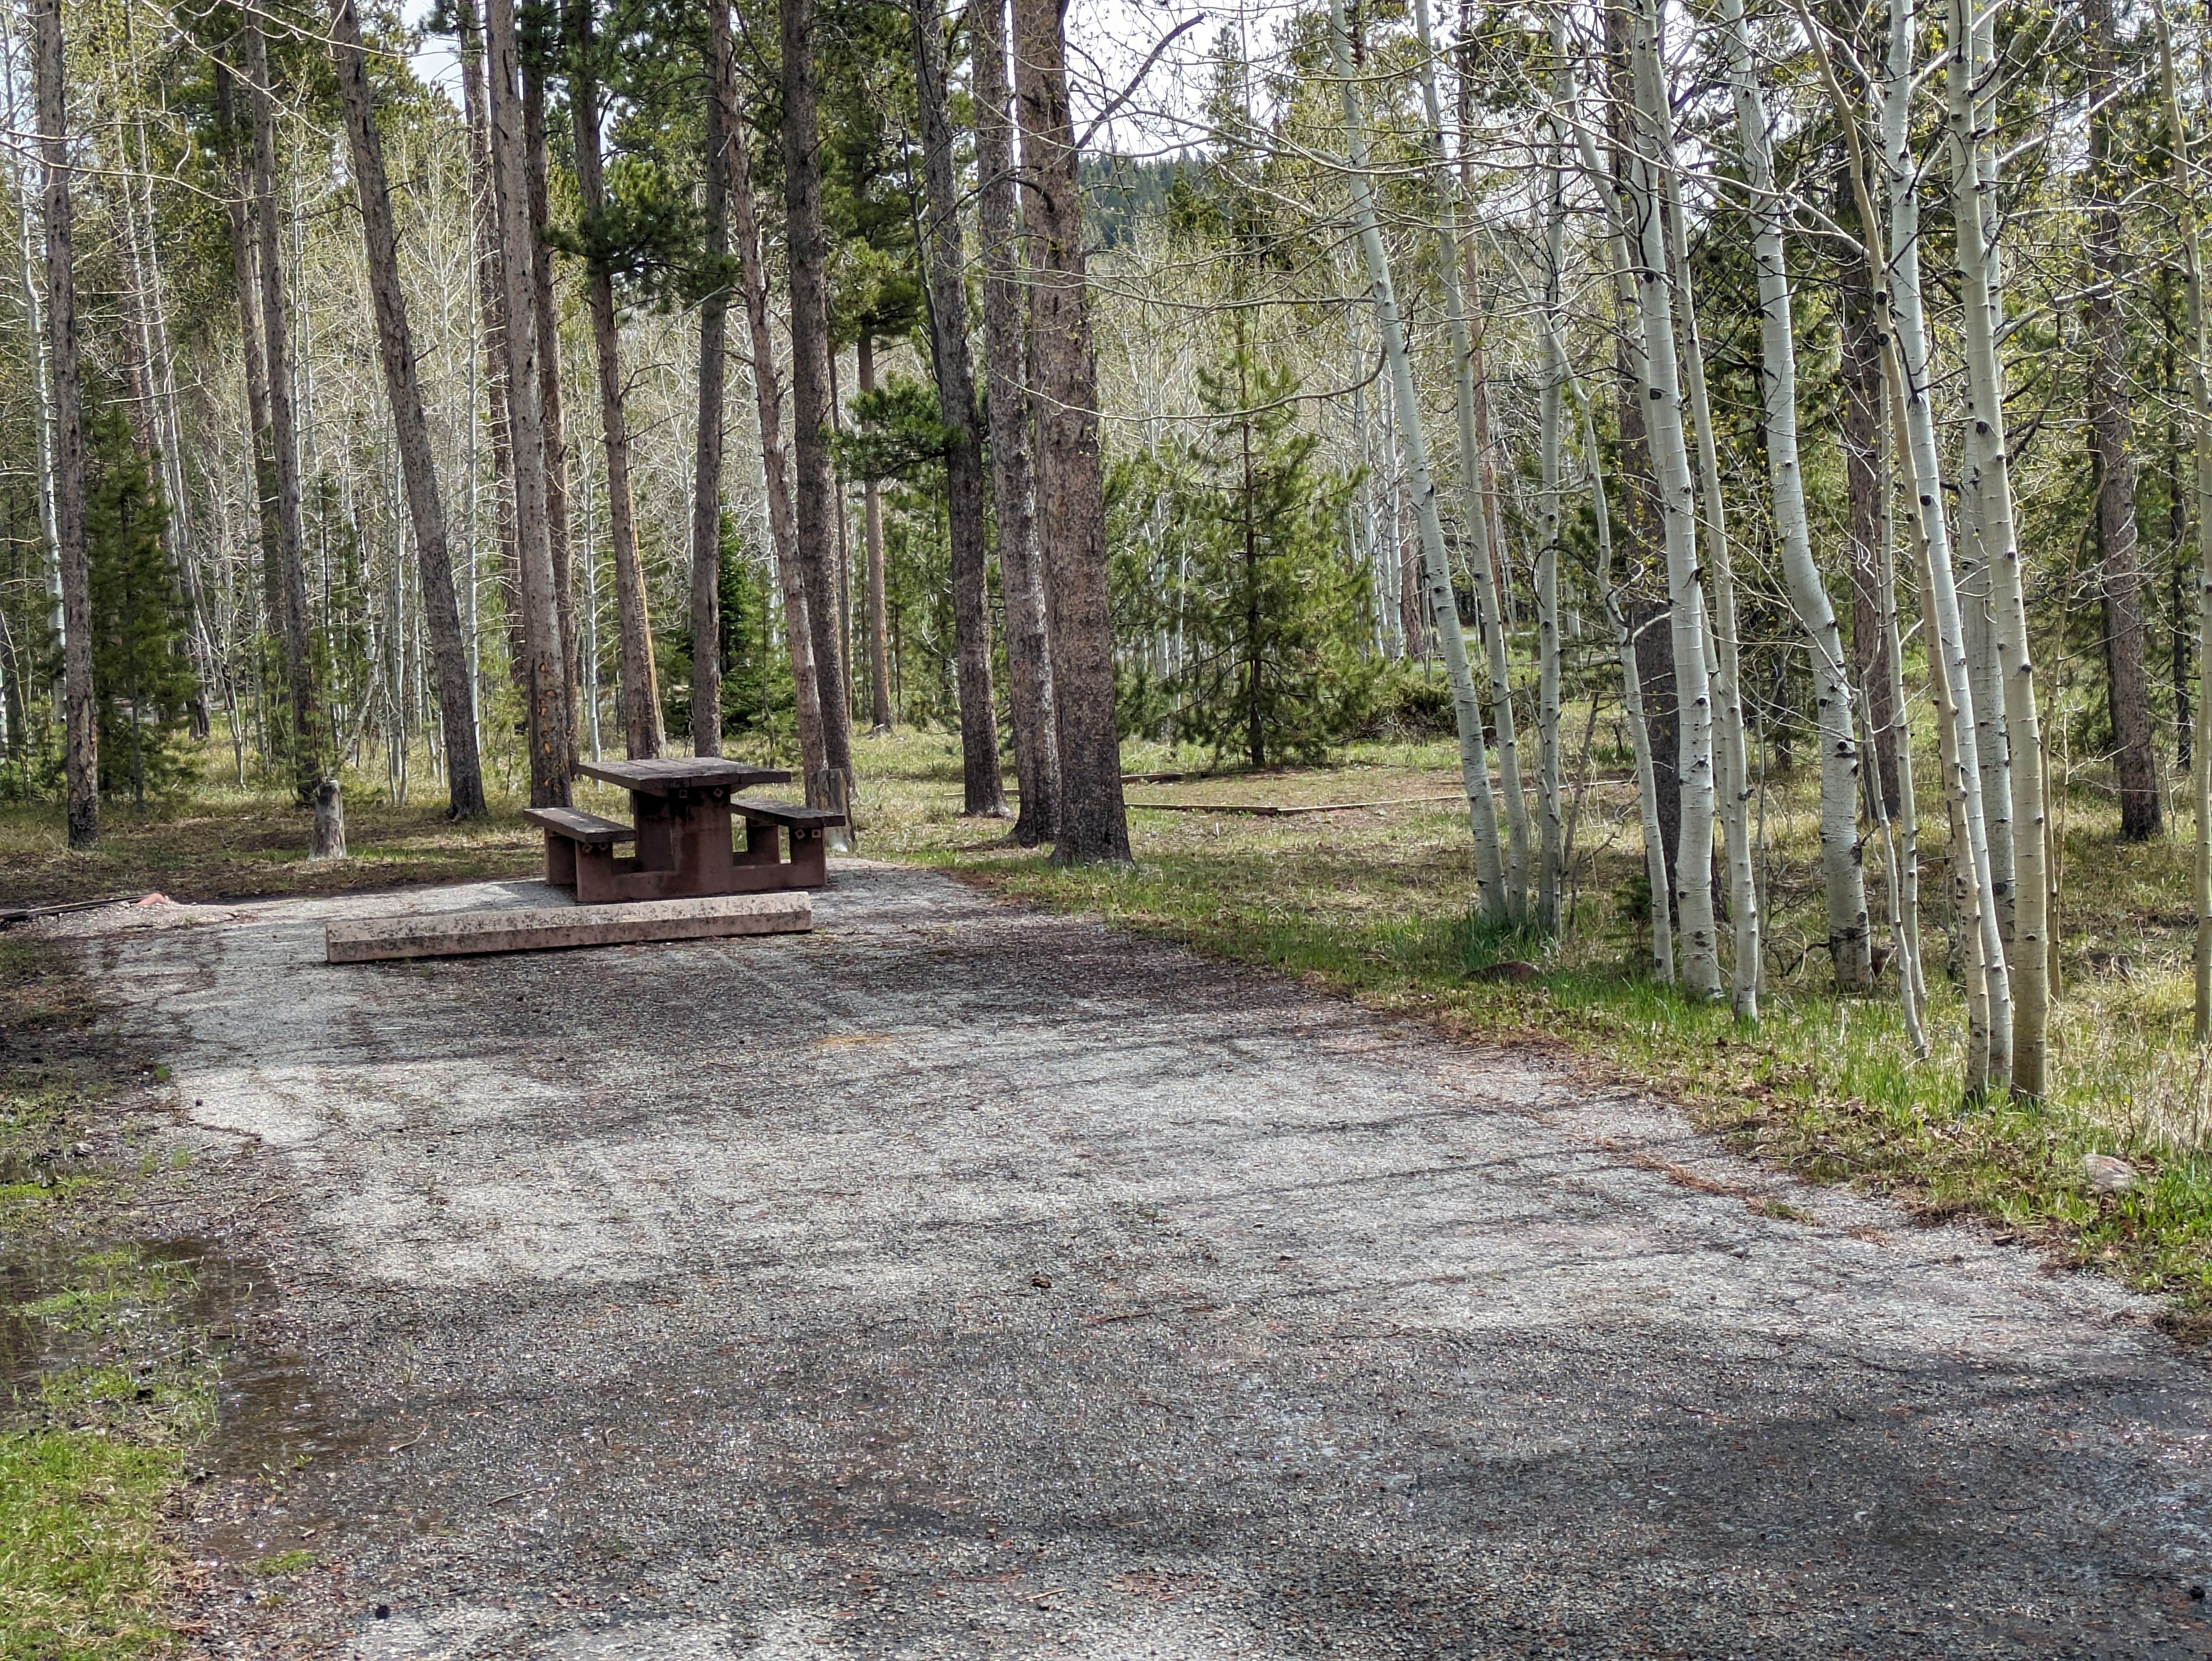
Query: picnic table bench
{"x": 682, "y": 808}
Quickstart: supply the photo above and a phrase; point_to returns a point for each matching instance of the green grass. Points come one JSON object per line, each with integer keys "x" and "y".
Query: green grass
{"x": 83, "y": 1572}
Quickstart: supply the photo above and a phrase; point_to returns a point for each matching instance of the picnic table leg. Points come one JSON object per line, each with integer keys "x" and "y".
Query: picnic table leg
{"x": 701, "y": 835}
{"x": 656, "y": 822}
{"x": 560, "y": 862}
{"x": 810, "y": 865}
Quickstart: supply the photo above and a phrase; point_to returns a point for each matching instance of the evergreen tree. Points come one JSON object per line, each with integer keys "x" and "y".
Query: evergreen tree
{"x": 143, "y": 676}
{"x": 1273, "y": 615}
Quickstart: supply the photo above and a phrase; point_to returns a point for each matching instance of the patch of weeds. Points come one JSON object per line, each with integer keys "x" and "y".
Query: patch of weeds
{"x": 283, "y": 1562}
{"x": 82, "y": 1570}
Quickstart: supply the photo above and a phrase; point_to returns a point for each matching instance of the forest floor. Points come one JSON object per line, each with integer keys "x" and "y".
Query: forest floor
{"x": 124, "y": 1257}
{"x": 962, "y": 1279}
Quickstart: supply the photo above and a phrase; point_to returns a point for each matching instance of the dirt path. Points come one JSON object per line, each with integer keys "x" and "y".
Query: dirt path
{"x": 961, "y": 1282}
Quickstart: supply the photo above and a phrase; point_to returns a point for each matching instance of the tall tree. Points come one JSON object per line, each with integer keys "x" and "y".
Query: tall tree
{"x": 816, "y": 517}
{"x": 1094, "y": 823}
{"x": 1006, "y": 351}
{"x": 721, "y": 122}
{"x": 544, "y": 683}
{"x": 640, "y": 690}
{"x": 79, "y": 712}
{"x": 307, "y": 735}
{"x": 2127, "y": 687}
{"x": 403, "y": 391}
{"x": 531, "y": 48}
{"x": 982, "y": 789}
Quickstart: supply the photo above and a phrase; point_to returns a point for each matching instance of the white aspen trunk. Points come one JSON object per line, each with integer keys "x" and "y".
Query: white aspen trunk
{"x": 1435, "y": 563}
{"x": 1693, "y": 899}
{"x": 1844, "y": 877}
{"x": 34, "y": 314}
{"x": 1550, "y": 874}
{"x": 1482, "y": 806}
{"x": 1629, "y": 321}
{"x": 1731, "y": 764}
{"x": 1905, "y": 920}
{"x": 1639, "y": 736}
{"x": 2018, "y": 1022}
{"x": 1988, "y": 986}
{"x": 2200, "y": 389}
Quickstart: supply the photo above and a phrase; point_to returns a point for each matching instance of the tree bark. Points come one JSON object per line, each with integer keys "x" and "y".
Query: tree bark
{"x": 307, "y": 757}
{"x": 1490, "y": 866}
{"x": 238, "y": 215}
{"x": 395, "y": 342}
{"x": 983, "y": 789}
{"x": 641, "y": 689}
{"x": 872, "y": 547}
{"x": 2018, "y": 1019}
{"x": 2126, "y": 680}
{"x": 80, "y": 716}
{"x": 547, "y": 315}
{"x": 1550, "y": 874}
{"x": 1094, "y": 824}
{"x": 814, "y": 494}
{"x": 768, "y": 402}
{"x": 544, "y": 683}
{"x": 721, "y": 119}
{"x": 1005, "y": 348}
{"x": 1862, "y": 439}
{"x": 1693, "y": 901}
{"x": 1849, "y": 940}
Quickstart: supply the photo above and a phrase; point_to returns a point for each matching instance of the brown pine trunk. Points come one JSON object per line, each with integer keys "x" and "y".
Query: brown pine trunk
{"x": 982, "y": 787}
{"x": 1006, "y": 351}
{"x": 1094, "y": 823}
{"x": 816, "y": 512}
{"x": 307, "y": 748}
{"x": 640, "y": 689}
{"x": 767, "y": 403}
{"x": 238, "y": 215}
{"x": 549, "y": 388}
{"x": 721, "y": 119}
{"x": 2126, "y": 682}
{"x": 872, "y": 539}
{"x": 491, "y": 300}
{"x": 545, "y": 686}
{"x": 79, "y": 715}
{"x": 441, "y": 609}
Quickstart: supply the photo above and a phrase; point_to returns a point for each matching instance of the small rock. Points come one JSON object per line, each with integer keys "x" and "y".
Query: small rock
{"x": 2108, "y": 1174}
{"x": 80, "y": 1150}
{"x": 1042, "y": 1283}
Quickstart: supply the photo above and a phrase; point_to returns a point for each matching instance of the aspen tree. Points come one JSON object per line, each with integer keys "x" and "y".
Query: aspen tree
{"x": 1845, "y": 876}
{"x": 1550, "y": 875}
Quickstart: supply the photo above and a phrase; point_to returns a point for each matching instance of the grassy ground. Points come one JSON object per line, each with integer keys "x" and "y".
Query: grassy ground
{"x": 106, "y": 1381}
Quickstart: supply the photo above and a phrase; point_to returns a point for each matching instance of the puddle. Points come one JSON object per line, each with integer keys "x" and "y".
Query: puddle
{"x": 168, "y": 1310}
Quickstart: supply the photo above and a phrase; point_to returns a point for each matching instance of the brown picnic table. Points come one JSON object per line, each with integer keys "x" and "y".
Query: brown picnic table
{"x": 683, "y": 811}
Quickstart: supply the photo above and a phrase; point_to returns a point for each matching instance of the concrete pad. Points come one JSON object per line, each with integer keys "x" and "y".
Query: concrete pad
{"x": 541, "y": 928}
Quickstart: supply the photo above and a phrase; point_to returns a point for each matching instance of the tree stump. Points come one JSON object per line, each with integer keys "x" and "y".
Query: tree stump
{"x": 329, "y": 823}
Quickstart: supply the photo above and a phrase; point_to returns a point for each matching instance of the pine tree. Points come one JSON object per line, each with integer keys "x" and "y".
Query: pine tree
{"x": 140, "y": 669}
{"x": 1273, "y": 618}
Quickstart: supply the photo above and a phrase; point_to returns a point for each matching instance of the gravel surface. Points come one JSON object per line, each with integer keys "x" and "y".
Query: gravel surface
{"x": 956, "y": 1281}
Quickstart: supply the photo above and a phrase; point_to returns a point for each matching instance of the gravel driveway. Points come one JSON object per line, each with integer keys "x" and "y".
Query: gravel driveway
{"x": 958, "y": 1281}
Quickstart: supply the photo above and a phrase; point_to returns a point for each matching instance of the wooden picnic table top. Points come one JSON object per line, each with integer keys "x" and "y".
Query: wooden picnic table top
{"x": 658, "y": 778}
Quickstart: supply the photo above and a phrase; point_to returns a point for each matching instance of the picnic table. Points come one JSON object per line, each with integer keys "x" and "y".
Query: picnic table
{"x": 682, "y": 810}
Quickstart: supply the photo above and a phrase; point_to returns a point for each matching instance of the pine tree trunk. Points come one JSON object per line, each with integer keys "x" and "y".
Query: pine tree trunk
{"x": 1849, "y": 944}
{"x": 872, "y": 547}
{"x": 721, "y": 120}
{"x": 307, "y": 749}
{"x": 79, "y": 715}
{"x": 1466, "y": 708}
{"x": 2020, "y": 991}
{"x": 2126, "y": 681}
{"x": 817, "y": 516}
{"x": 547, "y": 312}
{"x": 1692, "y": 889}
{"x": 640, "y": 689}
{"x": 546, "y": 684}
{"x": 1006, "y": 351}
{"x": 984, "y": 791}
{"x": 395, "y": 341}
{"x": 775, "y": 478}
{"x": 1094, "y": 824}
